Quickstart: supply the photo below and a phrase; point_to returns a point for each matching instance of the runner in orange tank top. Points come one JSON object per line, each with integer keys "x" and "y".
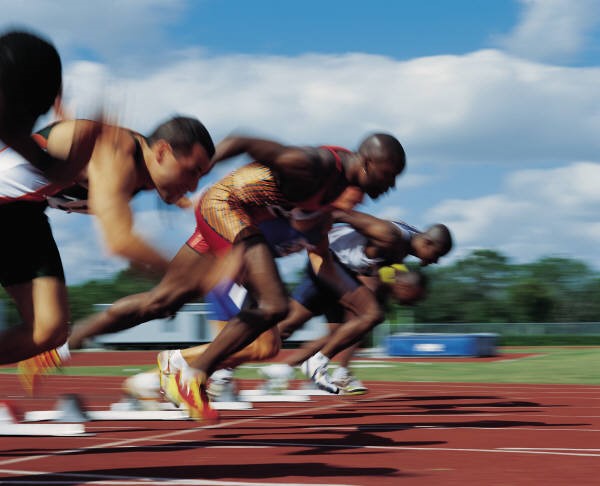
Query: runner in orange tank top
{"x": 294, "y": 182}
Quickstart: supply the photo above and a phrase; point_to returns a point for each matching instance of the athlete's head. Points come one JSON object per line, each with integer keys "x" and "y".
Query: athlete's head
{"x": 30, "y": 79}
{"x": 383, "y": 159}
{"x": 433, "y": 243}
{"x": 406, "y": 286}
{"x": 183, "y": 149}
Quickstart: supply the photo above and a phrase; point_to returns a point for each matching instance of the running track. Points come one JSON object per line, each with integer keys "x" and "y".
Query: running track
{"x": 399, "y": 434}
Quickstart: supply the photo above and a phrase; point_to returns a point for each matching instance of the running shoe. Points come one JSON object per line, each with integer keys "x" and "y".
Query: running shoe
{"x": 143, "y": 389}
{"x": 31, "y": 370}
{"x": 319, "y": 376}
{"x": 350, "y": 385}
{"x": 277, "y": 377}
{"x": 167, "y": 380}
{"x": 222, "y": 390}
{"x": 192, "y": 393}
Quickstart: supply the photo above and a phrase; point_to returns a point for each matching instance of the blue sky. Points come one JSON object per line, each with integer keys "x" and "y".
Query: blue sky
{"x": 497, "y": 102}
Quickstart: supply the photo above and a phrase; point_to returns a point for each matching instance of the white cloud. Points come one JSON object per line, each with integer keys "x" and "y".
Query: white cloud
{"x": 552, "y": 30}
{"x": 481, "y": 107}
{"x": 485, "y": 107}
{"x": 109, "y": 29}
{"x": 537, "y": 213}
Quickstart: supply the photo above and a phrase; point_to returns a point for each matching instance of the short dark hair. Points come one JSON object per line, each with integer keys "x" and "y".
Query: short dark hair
{"x": 414, "y": 277}
{"x": 30, "y": 74}
{"x": 440, "y": 234}
{"x": 385, "y": 145}
{"x": 182, "y": 133}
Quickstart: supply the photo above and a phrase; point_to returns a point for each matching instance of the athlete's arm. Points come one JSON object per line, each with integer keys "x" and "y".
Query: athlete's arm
{"x": 291, "y": 162}
{"x": 68, "y": 156}
{"x": 382, "y": 233}
{"x": 328, "y": 270}
{"x": 112, "y": 179}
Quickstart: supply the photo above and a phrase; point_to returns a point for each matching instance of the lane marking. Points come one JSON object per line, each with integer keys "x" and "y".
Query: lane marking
{"x": 176, "y": 433}
{"x": 110, "y": 480}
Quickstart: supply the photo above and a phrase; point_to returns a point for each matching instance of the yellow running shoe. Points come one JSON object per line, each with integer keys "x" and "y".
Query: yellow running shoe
{"x": 192, "y": 393}
{"x": 30, "y": 370}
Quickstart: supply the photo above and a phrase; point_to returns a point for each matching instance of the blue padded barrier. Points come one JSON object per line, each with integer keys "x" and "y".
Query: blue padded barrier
{"x": 408, "y": 344}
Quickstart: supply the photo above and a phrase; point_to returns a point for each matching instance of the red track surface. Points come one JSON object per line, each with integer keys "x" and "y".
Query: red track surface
{"x": 401, "y": 433}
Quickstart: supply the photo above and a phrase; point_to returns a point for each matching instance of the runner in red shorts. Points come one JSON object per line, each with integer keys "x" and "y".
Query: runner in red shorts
{"x": 298, "y": 183}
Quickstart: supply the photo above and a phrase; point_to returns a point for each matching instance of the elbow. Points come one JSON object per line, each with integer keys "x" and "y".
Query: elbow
{"x": 117, "y": 247}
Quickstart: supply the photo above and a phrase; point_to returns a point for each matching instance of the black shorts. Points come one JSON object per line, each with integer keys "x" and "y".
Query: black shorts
{"x": 316, "y": 296}
{"x": 27, "y": 247}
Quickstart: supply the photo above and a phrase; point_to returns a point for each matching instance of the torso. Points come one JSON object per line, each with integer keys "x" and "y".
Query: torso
{"x": 21, "y": 181}
{"x": 349, "y": 246}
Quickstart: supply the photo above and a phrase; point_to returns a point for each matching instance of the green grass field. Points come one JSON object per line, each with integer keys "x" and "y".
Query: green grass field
{"x": 574, "y": 365}
{"x": 548, "y": 365}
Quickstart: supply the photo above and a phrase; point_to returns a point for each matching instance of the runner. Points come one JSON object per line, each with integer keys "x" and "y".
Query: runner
{"x": 117, "y": 165}
{"x": 288, "y": 181}
{"x": 30, "y": 84}
{"x": 363, "y": 247}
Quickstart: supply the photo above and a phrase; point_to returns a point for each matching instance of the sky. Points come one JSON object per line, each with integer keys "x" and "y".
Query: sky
{"x": 496, "y": 103}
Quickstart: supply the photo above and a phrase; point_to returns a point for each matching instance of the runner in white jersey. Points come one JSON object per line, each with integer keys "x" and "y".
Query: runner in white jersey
{"x": 352, "y": 248}
{"x": 369, "y": 244}
{"x": 117, "y": 165}
{"x": 369, "y": 249}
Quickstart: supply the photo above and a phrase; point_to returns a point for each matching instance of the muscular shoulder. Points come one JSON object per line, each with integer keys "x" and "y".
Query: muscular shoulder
{"x": 308, "y": 170}
{"x": 112, "y": 161}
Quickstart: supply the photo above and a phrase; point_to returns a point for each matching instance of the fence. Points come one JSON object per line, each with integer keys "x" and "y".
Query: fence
{"x": 189, "y": 326}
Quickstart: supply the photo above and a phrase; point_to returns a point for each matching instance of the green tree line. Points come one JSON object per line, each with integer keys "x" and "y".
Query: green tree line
{"x": 484, "y": 286}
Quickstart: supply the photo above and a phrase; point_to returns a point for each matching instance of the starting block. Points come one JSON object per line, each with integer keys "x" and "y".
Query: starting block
{"x": 70, "y": 408}
{"x": 11, "y": 426}
{"x": 284, "y": 396}
{"x": 133, "y": 404}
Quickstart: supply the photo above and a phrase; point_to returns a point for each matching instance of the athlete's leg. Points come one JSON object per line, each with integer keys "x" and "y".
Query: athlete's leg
{"x": 365, "y": 313}
{"x": 264, "y": 282}
{"x": 342, "y": 376}
{"x": 32, "y": 274}
{"x": 264, "y": 347}
{"x": 43, "y": 306}
{"x": 362, "y": 312}
{"x": 345, "y": 356}
{"x": 179, "y": 285}
{"x": 297, "y": 316}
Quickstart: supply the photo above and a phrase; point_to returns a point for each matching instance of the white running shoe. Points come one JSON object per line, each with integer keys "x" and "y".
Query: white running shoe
{"x": 350, "y": 385}
{"x": 277, "y": 377}
{"x": 317, "y": 373}
{"x": 143, "y": 386}
{"x": 222, "y": 390}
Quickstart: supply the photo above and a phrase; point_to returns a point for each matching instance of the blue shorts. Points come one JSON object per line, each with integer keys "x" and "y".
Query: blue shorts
{"x": 226, "y": 300}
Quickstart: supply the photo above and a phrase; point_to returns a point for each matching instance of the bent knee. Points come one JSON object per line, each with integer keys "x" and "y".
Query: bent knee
{"x": 164, "y": 302}
{"x": 371, "y": 318}
{"x": 266, "y": 346}
{"x": 266, "y": 315}
{"x": 275, "y": 312}
{"x": 51, "y": 334}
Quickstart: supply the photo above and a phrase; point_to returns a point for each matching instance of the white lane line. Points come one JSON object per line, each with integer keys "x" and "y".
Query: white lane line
{"x": 110, "y": 480}
{"x": 176, "y": 433}
{"x": 548, "y": 449}
{"x": 425, "y": 448}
